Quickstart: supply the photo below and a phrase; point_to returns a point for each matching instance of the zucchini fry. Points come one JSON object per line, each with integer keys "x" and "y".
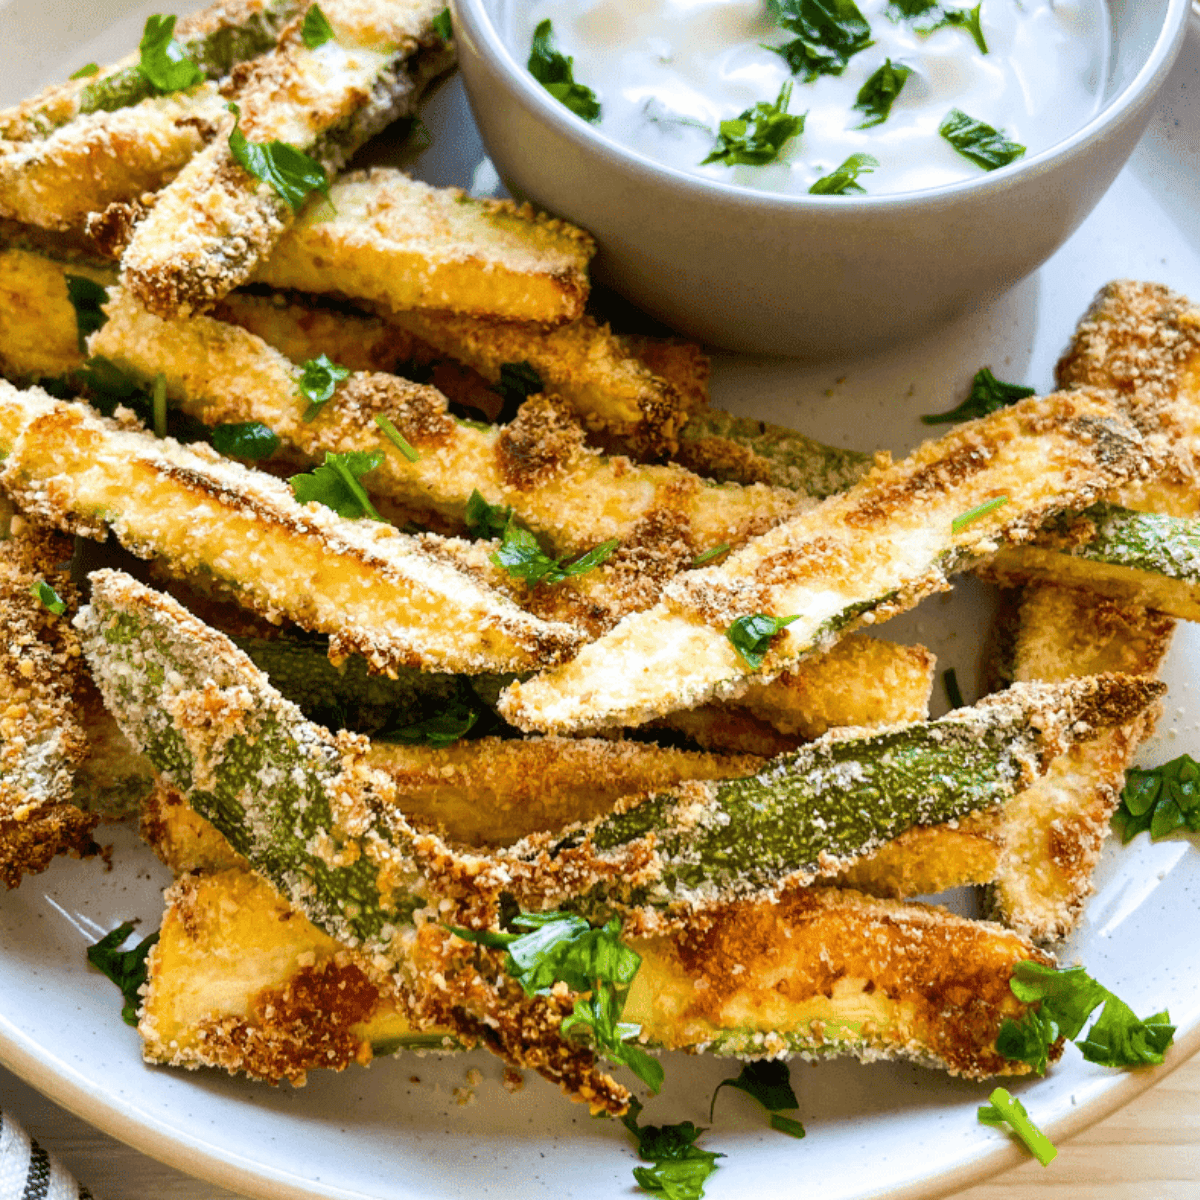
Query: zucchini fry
{"x": 402, "y": 244}
{"x": 210, "y": 226}
{"x": 610, "y": 389}
{"x": 538, "y": 464}
{"x": 215, "y": 39}
{"x": 1052, "y": 834}
{"x": 371, "y": 588}
{"x": 242, "y": 981}
{"x": 856, "y": 559}
{"x": 106, "y": 158}
{"x": 41, "y": 740}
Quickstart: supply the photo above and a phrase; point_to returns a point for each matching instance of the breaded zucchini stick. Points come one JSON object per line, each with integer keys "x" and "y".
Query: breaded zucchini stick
{"x": 608, "y": 387}
{"x": 857, "y": 558}
{"x": 371, "y": 588}
{"x": 42, "y": 742}
{"x": 400, "y": 244}
{"x": 242, "y": 981}
{"x": 1052, "y": 834}
{"x": 215, "y": 222}
{"x": 538, "y": 464}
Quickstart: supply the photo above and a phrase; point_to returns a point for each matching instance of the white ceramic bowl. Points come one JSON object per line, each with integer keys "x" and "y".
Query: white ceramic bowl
{"x": 803, "y": 275}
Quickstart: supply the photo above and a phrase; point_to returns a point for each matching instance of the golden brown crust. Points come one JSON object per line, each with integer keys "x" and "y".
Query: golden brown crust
{"x": 41, "y": 740}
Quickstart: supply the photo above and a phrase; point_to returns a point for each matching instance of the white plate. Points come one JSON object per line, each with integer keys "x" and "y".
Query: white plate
{"x": 396, "y": 1131}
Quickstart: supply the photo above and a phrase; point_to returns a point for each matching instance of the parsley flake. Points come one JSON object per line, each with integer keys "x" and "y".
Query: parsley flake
{"x": 983, "y": 145}
{"x": 954, "y": 696}
{"x": 564, "y": 948}
{"x": 844, "y": 181}
{"x": 829, "y": 33}
{"x": 879, "y": 93}
{"x": 291, "y": 172}
{"x": 522, "y": 557}
{"x": 164, "y": 63}
{"x": 1065, "y": 1000}
{"x": 442, "y": 25}
{"x": 50, "y": 600}
{"x": 126, "y": 968}
{"x": 88, "y": 299}
{"x": 739, "y": 144}
{"x": 319, "y": 378}
{"x": 336, "y": 483}
{"x": 751, "y": 636}
{"x": 518, "y": 381}
{"x": 484, "y": 520}
{"x": 770, "y": 1083}
{"x": 441, "y": 729}
{"x": 397, "y": 438}
{"x": 960, "y": 18}
{"x": 680, "y": 1167}
{"x": 1006, "y": 1108}
{"x": 556, "y": 73}
{"x": 86, "y": 71}
{"x": 974, "y": 514}
{"x": 988, "y": 395}
{"x": 315, "y": 30}
{"x": 1160, "y": 800}
{"x": 707, "y": 556}
{"x": 245, "y": 439}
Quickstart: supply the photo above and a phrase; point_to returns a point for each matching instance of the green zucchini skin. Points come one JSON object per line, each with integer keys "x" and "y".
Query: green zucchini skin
{"x": 778, "y": 456}
{"x": 810, "y": 813}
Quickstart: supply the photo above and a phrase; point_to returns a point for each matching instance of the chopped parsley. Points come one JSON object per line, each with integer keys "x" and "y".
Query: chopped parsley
{"x": 751, "y": 636}
{"x": 442, "y": 25}
{"x": 86, "y": 71}
{"x": 522, "y": 557}
{"x": 164, "y": 63}
{"x": 245, "y": 439}
{"x": 1065, "y": 1000}
{"x": 974, "y": 514}
{"x": 1005, "y": 1108}
{"x": 291, "y": 172}
{"x": 707, "y": 556}
{"x": 50, "y": 600}
{"x": 486, "y": 520}
{"x": 983, "y": 145}
{"x": 556, "y": 73}
{"x": 126, "y": 968}
{"x": 756, "y": 136}
{"x": 936, "y": 17}
{"x": 336, "y": 483}
{"x": 770, "y": 1083}
{"x": 562, "y": 947}
{"x": 988, "y": 395}
{"x": 680, "y": 1167}
{"x": 441, "y": 729}
{"x": 844, "y": 181}
{"x": 829, "y": 33}
{"x": 315, "y": 30}
{"x": 87, "y": 298}
{"x": 879, "y": 93}
{"x": 518, "y": 381}
{"x": 954, "y": 696}
{"x": 158, "y": 400}
{"x": 397, "y": 438}
{"x": 1160, "y": 800}
{"x": 319, "y": 378}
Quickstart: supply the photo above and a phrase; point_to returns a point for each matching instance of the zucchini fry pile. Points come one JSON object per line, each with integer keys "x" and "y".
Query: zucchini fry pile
{"x": 446, "y": 603}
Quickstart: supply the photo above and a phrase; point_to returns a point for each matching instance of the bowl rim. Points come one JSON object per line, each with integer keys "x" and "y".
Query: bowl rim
{"x": 474, "y": 18}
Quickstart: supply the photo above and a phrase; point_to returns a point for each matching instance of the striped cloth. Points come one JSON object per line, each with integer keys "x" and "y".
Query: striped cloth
{"x": 27, "y": 1172}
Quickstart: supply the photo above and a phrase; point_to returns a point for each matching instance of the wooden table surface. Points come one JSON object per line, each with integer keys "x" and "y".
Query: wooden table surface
{"x": 1149, "y": 1150}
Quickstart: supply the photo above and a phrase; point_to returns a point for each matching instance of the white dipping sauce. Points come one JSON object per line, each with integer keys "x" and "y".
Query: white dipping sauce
{"x": 660, "y": 68}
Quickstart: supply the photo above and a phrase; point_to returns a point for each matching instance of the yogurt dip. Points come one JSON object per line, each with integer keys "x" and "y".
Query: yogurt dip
{"x": 667, "y": 72}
